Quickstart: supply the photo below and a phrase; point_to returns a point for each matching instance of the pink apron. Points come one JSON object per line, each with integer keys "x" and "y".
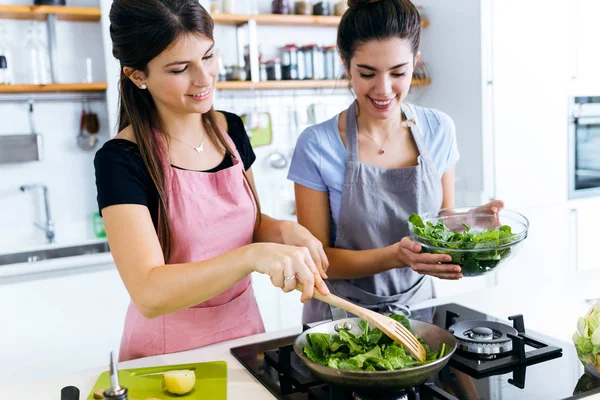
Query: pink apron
{"x": 211, "y": 214}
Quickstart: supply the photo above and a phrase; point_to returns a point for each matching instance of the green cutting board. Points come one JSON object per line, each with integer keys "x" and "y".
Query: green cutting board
{"x": 211, "y": 382}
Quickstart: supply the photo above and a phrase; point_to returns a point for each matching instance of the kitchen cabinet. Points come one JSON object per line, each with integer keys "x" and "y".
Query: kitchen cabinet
{"x": 544, "y": 260}
{"x": 584, "y": 269}
{"x": 583, "y": 41}
{"x": 59, "y": 322}
{"x": 586, "y": 220}
{"x": 507, "y": 91}
{"x": 529, "y": 90}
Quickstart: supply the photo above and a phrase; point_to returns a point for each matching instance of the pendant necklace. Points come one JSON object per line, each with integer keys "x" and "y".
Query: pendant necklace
{"x": 199, "y": 149}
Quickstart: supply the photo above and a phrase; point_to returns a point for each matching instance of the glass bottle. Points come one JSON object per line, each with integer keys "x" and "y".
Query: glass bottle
{"x": 43, "y": 56}
{"x": 280, "y": 7}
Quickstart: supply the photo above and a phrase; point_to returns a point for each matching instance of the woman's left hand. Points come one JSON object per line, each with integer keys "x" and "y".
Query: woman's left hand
{"x": 493, "y": 208}
{"x": 294, "y": 234}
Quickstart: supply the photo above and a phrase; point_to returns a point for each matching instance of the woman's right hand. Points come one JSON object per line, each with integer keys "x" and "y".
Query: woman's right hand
{"x": 280, "y": 261}
{"x": 409, "y": 253}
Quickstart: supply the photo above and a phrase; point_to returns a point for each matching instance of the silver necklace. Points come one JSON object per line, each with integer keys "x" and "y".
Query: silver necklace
{"x": 199, "y": 149}
{"x": 381, "y": 148}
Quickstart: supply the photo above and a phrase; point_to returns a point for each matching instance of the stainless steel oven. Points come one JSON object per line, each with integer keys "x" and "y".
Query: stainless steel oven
{"x": 584, "y": 147}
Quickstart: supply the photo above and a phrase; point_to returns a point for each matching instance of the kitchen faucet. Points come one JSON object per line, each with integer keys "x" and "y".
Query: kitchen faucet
{"x": 48, "y": 227}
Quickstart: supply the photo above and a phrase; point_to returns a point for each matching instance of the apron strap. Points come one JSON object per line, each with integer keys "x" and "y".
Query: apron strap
{"x": 351, "y": 133}
{"x": 415, "y": 129}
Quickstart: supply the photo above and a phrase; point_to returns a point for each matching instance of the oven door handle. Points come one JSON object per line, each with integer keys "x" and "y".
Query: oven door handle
{"x": 587, "y": 120}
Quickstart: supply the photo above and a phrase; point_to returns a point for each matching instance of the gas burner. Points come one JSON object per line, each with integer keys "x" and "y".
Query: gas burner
{"x": 485, "y": 338}
{"x": 390, "y": 396}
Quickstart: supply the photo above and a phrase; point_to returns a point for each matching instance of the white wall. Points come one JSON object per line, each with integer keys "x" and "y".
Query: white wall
{"x": 66, "y": 169}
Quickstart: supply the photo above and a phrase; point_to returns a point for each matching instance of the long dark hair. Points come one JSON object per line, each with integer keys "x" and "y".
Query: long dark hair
{"x": 140, "y": 30}
{"x": 367, "y": 20}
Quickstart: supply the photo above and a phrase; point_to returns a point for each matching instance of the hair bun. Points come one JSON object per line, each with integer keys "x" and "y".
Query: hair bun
{"x": 360, "y": 3}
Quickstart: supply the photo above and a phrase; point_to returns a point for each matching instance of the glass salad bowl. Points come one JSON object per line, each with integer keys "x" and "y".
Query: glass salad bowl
{"x": 479, "y": 241}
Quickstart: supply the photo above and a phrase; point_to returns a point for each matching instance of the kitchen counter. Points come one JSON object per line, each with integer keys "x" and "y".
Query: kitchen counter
{"x": 540, "y": 314}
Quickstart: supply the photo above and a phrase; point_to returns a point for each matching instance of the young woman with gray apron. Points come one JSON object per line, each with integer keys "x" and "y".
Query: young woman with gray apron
{"x": 371, "y": 219}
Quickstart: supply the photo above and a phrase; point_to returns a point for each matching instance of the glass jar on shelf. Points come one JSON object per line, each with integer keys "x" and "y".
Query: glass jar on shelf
{"x": 43, "y": 56}
{"x": 321, "y": 7}
{"x": 280, "y": 7}
{"x": 340, "y": 8}
{"x": 215, "y": 7}
{"x": 303, "y": 7}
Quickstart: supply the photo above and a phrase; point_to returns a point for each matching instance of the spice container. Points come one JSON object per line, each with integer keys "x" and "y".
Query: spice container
{"x": 263, "y": 72}
{"x": 215, "y": 6}
{"x": 280, "y": 7}
{"x": 274, "y": 70}
{"x": 238, "y": 73}
{"x": 4, "y": 78}
{"x": 303, "y": 8}
{"x": 308, "y": 62}
{"x": 301, "y": 66}
{"x": 340, "y": 8}
{"x": 314, "y": 62}
{"x": 229, "y": 6}
{"x": 331, "y": 57}
{"x": 289, "y": 65}
{"x": 321, "y": 8}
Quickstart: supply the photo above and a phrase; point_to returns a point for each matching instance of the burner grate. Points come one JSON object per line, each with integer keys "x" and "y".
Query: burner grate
{"x": 517, "y": 356}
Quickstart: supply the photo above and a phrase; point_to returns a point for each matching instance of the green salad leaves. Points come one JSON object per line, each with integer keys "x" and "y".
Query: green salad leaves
{"x": 371, "y": 350}
{"x": 587, "y": 339}
{"x": 472, "y": 262}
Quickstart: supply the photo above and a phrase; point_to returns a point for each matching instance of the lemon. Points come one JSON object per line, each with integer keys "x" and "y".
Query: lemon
{"x": 179, "y": 382}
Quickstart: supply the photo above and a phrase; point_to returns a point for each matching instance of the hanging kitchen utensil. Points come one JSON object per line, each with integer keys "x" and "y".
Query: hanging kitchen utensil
{"x": 92, "y": 123}
{"x": 277, "y": 160}
{"x": 260, "y": 128}
{"x": 394, "y": 329}
{"x": 22, "y": 147}
{"x": 85, "y": 141}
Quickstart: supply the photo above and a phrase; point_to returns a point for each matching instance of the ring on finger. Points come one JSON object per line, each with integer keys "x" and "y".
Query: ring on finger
{"x": 289, "y": 278}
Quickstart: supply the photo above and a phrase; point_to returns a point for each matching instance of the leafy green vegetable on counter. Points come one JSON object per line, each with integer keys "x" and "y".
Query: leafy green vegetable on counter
{"x": 371, "y": 350}
{"x": 471, "y": 262}
{"x": 587, "y": 339}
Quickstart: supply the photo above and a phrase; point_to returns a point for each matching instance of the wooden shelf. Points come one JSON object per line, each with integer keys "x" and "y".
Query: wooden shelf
{"x": 278, "y": 19}
{"x": 55, "y": 87}
{"x": 63, "y": 13}
{"x": 283, "y": 85}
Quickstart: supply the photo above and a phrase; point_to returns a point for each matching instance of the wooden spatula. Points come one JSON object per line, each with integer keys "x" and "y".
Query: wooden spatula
{"x": 394, "y": 329}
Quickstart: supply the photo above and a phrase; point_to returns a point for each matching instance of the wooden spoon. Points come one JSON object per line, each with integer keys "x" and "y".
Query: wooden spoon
{"x": 394, "y": 329}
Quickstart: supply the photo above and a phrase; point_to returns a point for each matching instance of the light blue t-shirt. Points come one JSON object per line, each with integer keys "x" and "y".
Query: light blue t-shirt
{"x": 319, "y": 160}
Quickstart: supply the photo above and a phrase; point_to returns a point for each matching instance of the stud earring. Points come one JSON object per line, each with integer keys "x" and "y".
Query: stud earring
{"x": 143, "y": 86}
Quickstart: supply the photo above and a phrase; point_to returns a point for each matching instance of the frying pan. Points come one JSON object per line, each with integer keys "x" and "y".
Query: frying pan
{"x": 380, "y": 380}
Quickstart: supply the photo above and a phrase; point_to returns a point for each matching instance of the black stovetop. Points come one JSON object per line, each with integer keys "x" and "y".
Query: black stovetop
{"x": 539, "y": 367}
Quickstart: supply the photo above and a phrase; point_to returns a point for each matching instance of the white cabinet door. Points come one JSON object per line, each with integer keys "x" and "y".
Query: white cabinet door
{"x": 587, "y": 221}
{"x": 530, "y": 82}
{"x": 584, "y": 40}
{"x": 544, "y": 257}
{"x": 584, "y": 272}
{"x": 60, "y": 322}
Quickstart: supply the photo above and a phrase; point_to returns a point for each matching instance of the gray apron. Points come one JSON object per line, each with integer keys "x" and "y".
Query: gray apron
{"x": 376, "y": 204}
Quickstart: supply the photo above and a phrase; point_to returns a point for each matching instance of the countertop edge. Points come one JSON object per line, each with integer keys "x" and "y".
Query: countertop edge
{"x": 58, "y": 264}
